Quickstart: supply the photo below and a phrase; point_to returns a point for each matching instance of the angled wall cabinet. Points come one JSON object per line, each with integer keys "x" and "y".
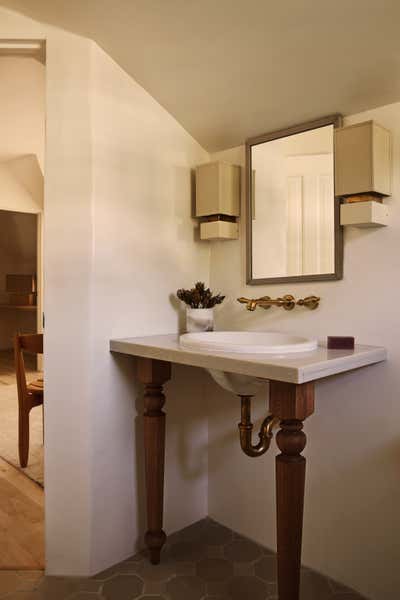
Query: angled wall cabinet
{"x": 218, "y": 200}
{"x": 363, "y": 165}
{"x": 364, "y": 214}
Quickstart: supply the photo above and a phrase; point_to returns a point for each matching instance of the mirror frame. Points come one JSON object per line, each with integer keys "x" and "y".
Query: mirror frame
{"x": 336, "y": 121}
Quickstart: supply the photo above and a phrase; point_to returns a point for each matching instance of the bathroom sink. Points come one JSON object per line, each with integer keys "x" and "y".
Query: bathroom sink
{"x": 247, "y": 342}
{"x": 244, "y": 342}
{"x": 241, "y": 385}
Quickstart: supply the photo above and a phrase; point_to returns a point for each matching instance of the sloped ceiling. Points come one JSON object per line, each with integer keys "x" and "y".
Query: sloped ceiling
{"x": 231, "y": 69}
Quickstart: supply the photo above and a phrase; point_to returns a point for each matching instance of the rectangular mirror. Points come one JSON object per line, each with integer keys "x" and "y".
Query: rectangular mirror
{"x": 293, "y": 228}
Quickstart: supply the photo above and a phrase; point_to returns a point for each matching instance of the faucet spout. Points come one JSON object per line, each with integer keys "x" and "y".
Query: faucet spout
{"x": 251, "y": 303}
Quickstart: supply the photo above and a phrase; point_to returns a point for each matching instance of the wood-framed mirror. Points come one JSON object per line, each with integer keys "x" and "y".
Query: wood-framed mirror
{"x": 293, "y": 216}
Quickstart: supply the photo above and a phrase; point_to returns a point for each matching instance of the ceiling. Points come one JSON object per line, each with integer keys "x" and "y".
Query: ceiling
{"x": 231, "y": 69}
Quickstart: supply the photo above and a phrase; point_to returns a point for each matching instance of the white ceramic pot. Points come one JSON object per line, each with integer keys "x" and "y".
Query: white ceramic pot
{"x": 199, "y": 319}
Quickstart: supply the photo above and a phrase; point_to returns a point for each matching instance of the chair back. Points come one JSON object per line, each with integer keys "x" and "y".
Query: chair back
{"x": 32, "y": 343}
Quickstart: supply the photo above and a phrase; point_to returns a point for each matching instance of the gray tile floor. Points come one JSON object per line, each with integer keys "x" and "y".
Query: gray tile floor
{"x": 205, "y": 561}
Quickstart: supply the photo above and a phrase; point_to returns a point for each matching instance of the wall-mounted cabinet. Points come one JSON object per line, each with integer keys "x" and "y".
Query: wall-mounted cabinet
{"x": 218, "y": 195}
{"x": 217, "y": 189}
{"x": 219, "y": 230}
{"x": 363, "y": 160}
{"x": 364, "y": 214}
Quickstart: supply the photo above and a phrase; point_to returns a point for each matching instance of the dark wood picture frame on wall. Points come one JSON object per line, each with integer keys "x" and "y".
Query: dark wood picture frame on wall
{"x": 336, "y": 121}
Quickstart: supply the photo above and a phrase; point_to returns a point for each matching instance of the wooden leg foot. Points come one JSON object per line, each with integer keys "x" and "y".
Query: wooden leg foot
{"x": 155, "y": 540}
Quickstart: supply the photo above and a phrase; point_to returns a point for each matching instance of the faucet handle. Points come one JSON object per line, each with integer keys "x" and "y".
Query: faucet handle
{"x": 288, "y": 302}
{"x": 311, "y": 302}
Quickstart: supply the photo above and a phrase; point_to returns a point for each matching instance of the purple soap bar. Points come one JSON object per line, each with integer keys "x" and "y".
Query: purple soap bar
{"x": 336, "y": 342}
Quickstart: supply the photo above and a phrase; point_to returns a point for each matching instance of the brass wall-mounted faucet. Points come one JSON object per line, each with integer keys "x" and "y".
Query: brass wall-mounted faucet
{"x": 288, "y": 302}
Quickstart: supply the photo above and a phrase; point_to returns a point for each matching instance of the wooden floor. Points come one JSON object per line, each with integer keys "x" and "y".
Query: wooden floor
{"x": 21, "y": 504}
{"x": 21, "y": 520}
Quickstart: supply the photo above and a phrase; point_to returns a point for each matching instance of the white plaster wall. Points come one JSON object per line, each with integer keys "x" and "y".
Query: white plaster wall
{"x": 67, "y": 267}
{"x": 352, "y": 523}
{"x": 144, "y": 249}
{"x": 119, "y": 241}
{"x": 22, "y": 107}
{"x": 22, "y": 126}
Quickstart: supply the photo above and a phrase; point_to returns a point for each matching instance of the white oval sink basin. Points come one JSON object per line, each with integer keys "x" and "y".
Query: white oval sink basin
{"x": 241, "y": 385}
{"x": 247, "y": 342}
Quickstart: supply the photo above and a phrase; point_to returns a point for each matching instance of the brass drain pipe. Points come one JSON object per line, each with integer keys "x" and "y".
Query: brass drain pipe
{"x": 246, "y": 430}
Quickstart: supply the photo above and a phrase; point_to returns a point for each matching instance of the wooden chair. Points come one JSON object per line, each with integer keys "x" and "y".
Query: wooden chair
{"x": 29, "y": 394}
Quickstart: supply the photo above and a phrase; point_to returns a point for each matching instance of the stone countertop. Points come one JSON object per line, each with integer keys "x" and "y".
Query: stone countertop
{"x": 292, "y": 368}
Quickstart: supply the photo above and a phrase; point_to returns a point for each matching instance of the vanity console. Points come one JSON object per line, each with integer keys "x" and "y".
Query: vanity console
{"x": 292, "y": 399}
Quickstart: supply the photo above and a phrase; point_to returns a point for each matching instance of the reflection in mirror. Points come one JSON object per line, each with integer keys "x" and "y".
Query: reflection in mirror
{"x": 293, "y": 226}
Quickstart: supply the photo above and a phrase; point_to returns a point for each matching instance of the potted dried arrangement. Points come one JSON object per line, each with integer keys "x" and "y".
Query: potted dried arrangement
{"x": 200, "y": 303}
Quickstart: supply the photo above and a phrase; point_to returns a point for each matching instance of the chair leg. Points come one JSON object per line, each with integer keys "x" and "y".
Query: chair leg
{"x": 23, "y": 438}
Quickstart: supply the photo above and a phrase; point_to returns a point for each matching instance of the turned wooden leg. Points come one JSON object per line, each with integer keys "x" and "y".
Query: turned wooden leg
{"x": 154, "y": 374}
{"x": 292, "y": 403}
{"x": 290, "y": 479}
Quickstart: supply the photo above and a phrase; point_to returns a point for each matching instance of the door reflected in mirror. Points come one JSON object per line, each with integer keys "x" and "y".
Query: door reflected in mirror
{"x": 293, "y": 226}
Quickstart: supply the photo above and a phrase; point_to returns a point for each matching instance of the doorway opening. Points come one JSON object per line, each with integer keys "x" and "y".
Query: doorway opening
{"x": 22, "y": 122}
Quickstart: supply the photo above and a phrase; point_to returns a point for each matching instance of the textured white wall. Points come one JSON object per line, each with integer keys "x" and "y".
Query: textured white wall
{"x": 119, "y": 240}
{"x": 68, "y": 276}
{"x": 143, "y": 250}
{"x": 351, "y": 513}
{"x": 22, "y": 107}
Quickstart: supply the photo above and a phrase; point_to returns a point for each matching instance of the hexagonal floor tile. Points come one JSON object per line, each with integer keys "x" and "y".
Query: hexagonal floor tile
{"x": 32, "y": 595}
{"x": 215, "y": 534}
{"x": 266, "y": 568}
{"x": 123, "y": 587}
{"x": 242, "y": 551}
{"x": 314, "y": 586}
{"x": 347, "y": 596}
{"x": 186, "y": 588}
{"x": 124, "y": 568}
{"x": 84, "y": 596}
{"x": 206, "y": 532}
{"x": 205, "y": 561}
{"x": 240, "y": 588}
{"x": 187, "y": 551}
{"x": 165, "y": 570}
{"x": 58, "y": 587}
{"x": 214, "y": 569}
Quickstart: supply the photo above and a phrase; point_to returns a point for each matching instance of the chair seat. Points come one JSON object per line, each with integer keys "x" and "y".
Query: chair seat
{"x": 36, "y": 387}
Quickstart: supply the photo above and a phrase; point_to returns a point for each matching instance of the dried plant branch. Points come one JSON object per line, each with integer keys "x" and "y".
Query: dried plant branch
{"x": 199, "y": 296}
